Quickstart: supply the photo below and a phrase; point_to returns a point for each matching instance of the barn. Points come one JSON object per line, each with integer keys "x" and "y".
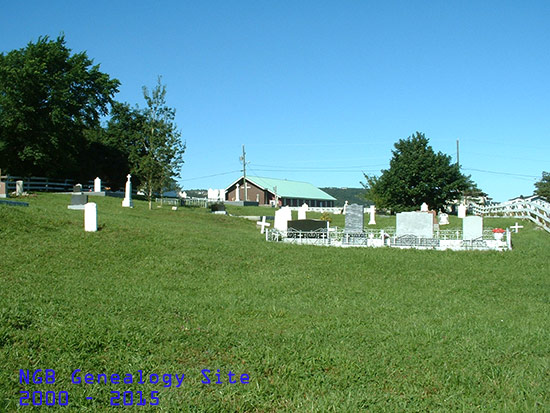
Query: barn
{"x": 282, "y": 192}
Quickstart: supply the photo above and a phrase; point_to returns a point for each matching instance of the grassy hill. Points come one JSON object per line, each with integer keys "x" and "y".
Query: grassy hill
{"x": 315, "y": 329}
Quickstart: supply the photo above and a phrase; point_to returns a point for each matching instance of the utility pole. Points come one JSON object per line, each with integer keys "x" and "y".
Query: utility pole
{"x": 457, "y": 154}
{"x": 243, "y": 158}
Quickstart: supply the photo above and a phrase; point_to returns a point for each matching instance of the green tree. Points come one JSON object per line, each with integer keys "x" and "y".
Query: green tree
{"x": 543, "y": 186}
{"x": 417, "y": 174}
{"x": 157, "y": 154}
{"x": 48, "y": 99}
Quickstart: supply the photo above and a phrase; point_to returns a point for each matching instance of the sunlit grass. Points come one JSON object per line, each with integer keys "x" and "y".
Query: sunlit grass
{"x": 315, "y": 328}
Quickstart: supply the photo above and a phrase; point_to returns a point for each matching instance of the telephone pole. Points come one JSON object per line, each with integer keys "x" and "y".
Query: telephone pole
{"x": 243, "y": 158}
{"x": 457, "y": 154}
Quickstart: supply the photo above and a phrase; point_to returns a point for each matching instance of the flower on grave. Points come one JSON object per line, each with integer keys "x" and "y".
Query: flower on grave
{"x": 498, "y": 231}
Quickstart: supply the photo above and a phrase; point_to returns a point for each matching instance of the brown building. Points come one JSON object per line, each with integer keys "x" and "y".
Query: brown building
{"x": 269, "y": 191}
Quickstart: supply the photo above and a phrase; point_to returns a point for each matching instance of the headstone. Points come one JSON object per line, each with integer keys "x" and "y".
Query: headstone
{"x": 97, "y": 184}
{"x": 443, "y": 219}
{"x": 302, "y": 211}
{"x": 19, "y": 188}
{"x": 90, "y": 217}
{"x": 345, "y": 208}
{"x": 282, "y": 216}
{"x": 127, "y": 202}
{"x": 472, "y": 228}
{"x": 372, "y": 215}
{"x": 3, "y": 186}
{"x": 78, "y": 200}
{"x": 516, "y": 227}
{"x": 462, "y": 211}
{"x": 354, "y": 218}
{"x": 263, "y": 224}
{"x": 415, "y": 223}
{"x": 424, "y": 207}
{"x": 307, "y": 225}
{"x": 77, "y": 188}
{"x": 237, "y": 194}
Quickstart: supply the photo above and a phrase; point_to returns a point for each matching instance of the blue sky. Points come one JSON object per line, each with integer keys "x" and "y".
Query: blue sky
{"x": 319, "y": 91}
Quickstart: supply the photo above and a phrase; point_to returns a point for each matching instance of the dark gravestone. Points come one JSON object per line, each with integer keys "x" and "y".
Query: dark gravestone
{"x": 307, "y": 225}
{"x": 78, "y": 201}
{"x": 13, "y": 203}
{"x": 355, "y": 217}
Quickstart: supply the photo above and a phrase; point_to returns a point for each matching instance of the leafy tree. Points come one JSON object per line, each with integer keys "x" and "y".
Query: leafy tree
{"x": 543, "y": 186}
{"x": 48, "y": 99}
{"x": 157, "y": 153}
{"x": 417, "y": 174}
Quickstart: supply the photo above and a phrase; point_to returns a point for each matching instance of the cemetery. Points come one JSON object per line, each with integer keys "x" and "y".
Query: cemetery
{"x": 418, "y": 230}
{"x": 175, "y": 292}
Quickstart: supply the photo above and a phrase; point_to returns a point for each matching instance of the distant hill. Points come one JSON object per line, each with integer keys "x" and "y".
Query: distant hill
{"x": 352, "y": 195}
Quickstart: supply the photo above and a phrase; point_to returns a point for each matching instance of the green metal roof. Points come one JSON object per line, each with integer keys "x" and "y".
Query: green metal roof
{"x": 291, "y": 189}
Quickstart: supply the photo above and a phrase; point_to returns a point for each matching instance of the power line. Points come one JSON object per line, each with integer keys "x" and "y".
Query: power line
{"x": 209, "y": 176}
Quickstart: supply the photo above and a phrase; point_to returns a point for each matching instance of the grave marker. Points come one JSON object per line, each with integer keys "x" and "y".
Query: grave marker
{"x": 282, "y": 216}
{"x": 127, "y": 202}
{"x": 355, "y": 216}
{"x": 19, "y": 188}
{"x": 372, "y": 214}
{"x": 415, "y": 223}
{"x": 516, "y": 227}
{"x": 263, "y": 224}
{"x": 97, "y": 185}
{"x": 462, "y": 211}
{"x": 472, "y": 228}
{"x": 302, "y": 211}
{"x": 90, "y": 217}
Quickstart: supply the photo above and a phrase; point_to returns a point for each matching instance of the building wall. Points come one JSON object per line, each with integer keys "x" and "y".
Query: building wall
{"x": 264, "y": 197}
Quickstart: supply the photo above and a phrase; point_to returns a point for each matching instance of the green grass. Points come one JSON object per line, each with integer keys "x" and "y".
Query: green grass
{"x": 317, "y": 329}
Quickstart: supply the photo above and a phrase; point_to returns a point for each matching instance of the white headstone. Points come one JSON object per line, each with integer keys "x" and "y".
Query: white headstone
{"x": 263, "y": 224}
{"x": 90, "y": 217}
{"x": 372, "y": 215}
{"x": 443, "y": 219}
{"x": 472, "y": 228}
{"x": 127, "y": 202}
{"x": 462, "y": 211}
{"x": 345, "y": 208}
{"x": 18, "y": 188}
{"x": 302, "y": 211}
{"x": 516, "y": 227}
{"x": 282, "y": 216}
{"x": 97, "y": 185}
{"x": 414, "y": 223}
{"x": 424, "y": 207}
{"x": 237, "y": 194}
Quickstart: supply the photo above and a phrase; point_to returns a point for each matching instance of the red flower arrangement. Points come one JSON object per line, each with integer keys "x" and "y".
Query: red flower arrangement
{"x": 498, "y": 231}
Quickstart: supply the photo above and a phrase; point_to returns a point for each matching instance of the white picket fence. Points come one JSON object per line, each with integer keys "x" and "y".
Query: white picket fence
{"x": 535, "y": 211}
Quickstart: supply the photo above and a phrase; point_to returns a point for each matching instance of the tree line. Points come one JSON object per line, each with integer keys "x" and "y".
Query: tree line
{"x": 59, "y": 119}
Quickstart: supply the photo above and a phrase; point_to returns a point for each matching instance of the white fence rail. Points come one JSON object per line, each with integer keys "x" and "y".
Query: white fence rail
{"x": 535, "y": 211}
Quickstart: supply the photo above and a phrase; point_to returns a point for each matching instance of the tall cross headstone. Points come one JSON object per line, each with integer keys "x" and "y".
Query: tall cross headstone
{"x": 345, "y": 208}
{"x": 237, "y": 194}
{"x": 372, "y": 215}
{"x": 127, "y": 202}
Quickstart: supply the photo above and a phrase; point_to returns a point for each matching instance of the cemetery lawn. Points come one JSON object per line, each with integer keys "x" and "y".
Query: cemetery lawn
{"x": 315, "y": 328}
